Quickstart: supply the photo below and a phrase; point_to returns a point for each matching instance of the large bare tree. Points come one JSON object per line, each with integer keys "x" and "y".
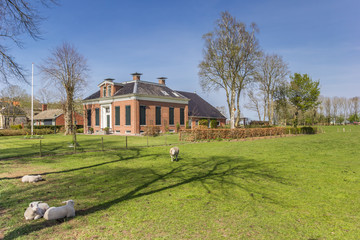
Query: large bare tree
{"x": 17, "y": 18}
{"x": 271, "y": 73}
{"x": 230, "y": 56}
{"x": 68, "y": 69}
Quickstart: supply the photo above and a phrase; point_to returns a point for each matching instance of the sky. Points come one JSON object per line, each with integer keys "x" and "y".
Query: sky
{"x": 164, "y": 39}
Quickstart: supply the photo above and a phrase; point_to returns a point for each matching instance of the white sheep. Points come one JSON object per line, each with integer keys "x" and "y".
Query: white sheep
{"x": 174, "y": 152}
{"x": 35, "y": 210}
{"x": 67, "y": 210}
{"x": 31, "y": 178}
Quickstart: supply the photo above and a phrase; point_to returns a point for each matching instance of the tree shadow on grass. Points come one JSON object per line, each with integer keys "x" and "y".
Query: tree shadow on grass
{"x": 246, "y": 174}
{"x": 137, "y": 154}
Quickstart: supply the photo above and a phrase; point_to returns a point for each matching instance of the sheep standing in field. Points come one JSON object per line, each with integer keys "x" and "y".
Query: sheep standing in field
{"x": 35, "y": 210}
{"x": 31, "y": 178}
{"x": 174, "y": 152}
{"x": 67, "y": 210}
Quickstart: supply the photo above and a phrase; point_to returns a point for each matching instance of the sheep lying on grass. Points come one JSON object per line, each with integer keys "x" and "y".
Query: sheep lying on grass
{"x": 31, "y": 178}
{"x": 67, "y": 210}
{"x": 35, "y": 210}
{"x": 174, "y": 152}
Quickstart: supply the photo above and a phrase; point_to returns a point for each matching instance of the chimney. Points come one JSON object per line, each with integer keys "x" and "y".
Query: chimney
{"x": 136, "y": 76}
{"x": 162, "y": 80}
{"x": 43, "y": 107}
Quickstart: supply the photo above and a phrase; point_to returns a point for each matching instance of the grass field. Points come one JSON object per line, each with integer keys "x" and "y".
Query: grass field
{"x": 303, "y": 187}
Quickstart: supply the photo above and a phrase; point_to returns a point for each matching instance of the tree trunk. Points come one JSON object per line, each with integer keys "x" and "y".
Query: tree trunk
{"x": 68, "y": 115}
{"x": 232, "y": 109}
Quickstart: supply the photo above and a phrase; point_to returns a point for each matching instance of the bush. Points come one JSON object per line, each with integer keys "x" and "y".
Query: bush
{"x": 301, "y": 130}
{"x": 80, "y": 130}
{"x": 16, "y": 127}
{"x": 18, "y": 132}
{"x": 213, "y": 123}
{"x": 215, "y": 134}
{"x": 203, "y": 122}
{"x": 152, "y": 131}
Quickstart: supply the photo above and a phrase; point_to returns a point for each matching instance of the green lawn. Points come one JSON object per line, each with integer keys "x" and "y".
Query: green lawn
{"x": 304, "y": 187}
{"x": 12, "y": 147}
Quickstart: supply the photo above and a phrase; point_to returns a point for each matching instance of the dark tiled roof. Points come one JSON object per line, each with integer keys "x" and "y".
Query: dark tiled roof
{"x": 142, "y": 88}
{"x": 93, "y": 96}
{"x": 128, "y": 88}
{"x": 198, "y": 107}
{"x": 156, "y": 90}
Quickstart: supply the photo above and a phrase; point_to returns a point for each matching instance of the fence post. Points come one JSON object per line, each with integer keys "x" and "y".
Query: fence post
{"x": 179, "y": 136}
{"x": 102, "y": 143}
{"x": 40, "y": 149}
{"x": 126, "y": 142}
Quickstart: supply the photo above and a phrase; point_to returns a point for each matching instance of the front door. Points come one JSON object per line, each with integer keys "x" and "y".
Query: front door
{"x": 108, "y": 121}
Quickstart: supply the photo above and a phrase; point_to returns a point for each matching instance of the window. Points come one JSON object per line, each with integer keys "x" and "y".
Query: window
{"x": 97, "y": 117}
{"x": 104, "y": 91}
{"x": 197, "y": 123}
{"x": 158, "y": 116}
{"x": 177, "y": 95}
{"x": 117, "y": 115}
{"x": 128, "y": 115}
{"x": 142, "y": 115}
{"x": 89, "y": 117}
{"x": 182, "y": 116}
{"x": 109, "y": 90}
{"x": 164, "y": 92}
{"x": 171, "y": 116}
{"x": 218, "y": 123}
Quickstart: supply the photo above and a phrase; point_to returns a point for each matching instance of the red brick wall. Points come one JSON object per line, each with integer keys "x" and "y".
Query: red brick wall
{"x": 60, "y": 120}
{"x": 135, "y": 127}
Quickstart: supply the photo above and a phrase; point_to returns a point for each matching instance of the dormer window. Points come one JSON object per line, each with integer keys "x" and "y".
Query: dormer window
{"x": 104, "y": 91}
{"x": 109, "y": 90}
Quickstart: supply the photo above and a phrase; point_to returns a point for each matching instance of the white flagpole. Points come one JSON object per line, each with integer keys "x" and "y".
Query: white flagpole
{"x": 32, "y": 99}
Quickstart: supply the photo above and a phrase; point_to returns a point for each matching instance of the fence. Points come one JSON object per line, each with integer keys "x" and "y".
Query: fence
{"x": 19, "y": 147}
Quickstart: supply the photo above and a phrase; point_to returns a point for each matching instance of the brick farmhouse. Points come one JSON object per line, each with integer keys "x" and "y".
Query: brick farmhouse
{"x": 129, "y": 107}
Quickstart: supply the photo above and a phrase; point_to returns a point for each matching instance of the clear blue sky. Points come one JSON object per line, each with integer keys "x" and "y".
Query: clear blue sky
{"x": 164, "y": 38}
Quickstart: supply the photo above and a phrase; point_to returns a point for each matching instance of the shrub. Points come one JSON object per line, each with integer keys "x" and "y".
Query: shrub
{"x": 80, "y": 130}
{"x": 177, "y": 127}
{"x": 91, "y": 129}
{"x": 152, "y": 131}
{"x": 215, "y": 134}
{"x": 213, "y": 123}
{"x": 16, "y": 127}
{"x": 18, "y": 132}
{"x": 203, "y": 122}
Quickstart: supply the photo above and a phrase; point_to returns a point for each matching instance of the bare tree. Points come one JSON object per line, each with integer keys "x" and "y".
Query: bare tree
{"x": 354, "y": 105}
{"x": 45, "y": 95}
{"x": 68, "y": 69}
{"x": 230, "y": 54}
{"x": 327, "y": 108}
{"x": 255, "y": 103}
{"x": 271, "y": 73}
{"x": 17, "y": 18}
{"x": 335, "y": 108}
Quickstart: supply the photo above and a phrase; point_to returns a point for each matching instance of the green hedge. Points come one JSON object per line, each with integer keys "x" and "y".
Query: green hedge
{"x": 13, "y": 132}
{"x": 302, "y": 130}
